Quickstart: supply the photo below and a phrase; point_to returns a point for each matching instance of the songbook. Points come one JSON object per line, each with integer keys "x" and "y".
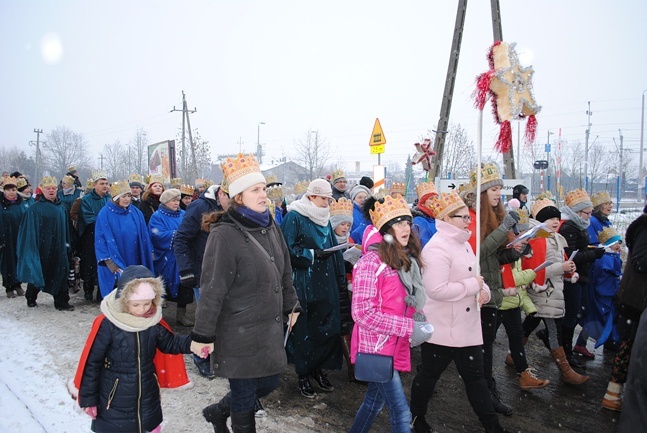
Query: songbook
{"x": 538, "y": 231}
{"x": 339, "y": 247}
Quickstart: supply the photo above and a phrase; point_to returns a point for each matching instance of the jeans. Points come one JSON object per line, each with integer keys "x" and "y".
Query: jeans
{"x": 488, "y": 328}
{"x": 244, "y": 392}
{"x": 378, "y": 394}
{"x": 469, "y": 363}
{"x": 511, "y": 320}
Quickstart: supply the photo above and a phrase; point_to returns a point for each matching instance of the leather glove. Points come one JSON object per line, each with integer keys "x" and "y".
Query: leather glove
{"x": 187, "y": 279}
{"x": 510, "y": 220}
{"x": 420, "y": 334}
{"x": 91, "y": 411}
{"x": 599, "y": 252}
{"x": 322, "y": 255}
{"x": 512, "y": 291}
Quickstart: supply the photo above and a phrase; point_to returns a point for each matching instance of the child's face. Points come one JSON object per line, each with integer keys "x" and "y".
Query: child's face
{"x": 616, "y": 247}
{"x": 139, "y": 308}
{"x": 552, "y": 224}
{"x": 342, "y": 228}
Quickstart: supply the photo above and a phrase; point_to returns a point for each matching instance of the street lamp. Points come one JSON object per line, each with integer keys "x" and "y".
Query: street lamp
{"x": 548, "y": 159}
{"x": 259, "y": 149}
{"x": 641, "y": 182}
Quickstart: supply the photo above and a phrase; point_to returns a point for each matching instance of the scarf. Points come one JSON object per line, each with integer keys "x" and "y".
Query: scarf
{"x": 341, "y": 239}
{"x": 111, "y": 308}
{"x": 308, "y": 209}
{"x": 260, "y": 219}
{"x": 69, "y": 191}
{"x": 412, "y": 281}
{"x": 580, "y": 222}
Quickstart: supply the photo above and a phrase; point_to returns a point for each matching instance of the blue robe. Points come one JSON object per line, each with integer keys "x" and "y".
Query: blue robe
{"x": 122, "y": 236}
{"x": 162, "y": 228}
{"x": 44, "y": 246}
{"x": 425, "y": 226}
{"x": 596, "y": 226}
{"x": 91, "y": 205}
{"x": 604, "y": 279}
{"x": 315, "y": 342}
{"x": 359, "y": 224}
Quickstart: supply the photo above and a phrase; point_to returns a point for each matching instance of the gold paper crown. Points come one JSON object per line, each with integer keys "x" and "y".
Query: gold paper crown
{"x": 68, "y": 180}
{"x": 489, "y": 173}
{"x": 544, "y": 195}
{"x": 575, "y": 197}
{"x": 426, "y": 188}
{"x": 301, "y": 187}
{"x": 176, "y": 182}
{"x": 48, "y": 181}
{"x": 136, "y": 178}
{"x": 445, "y": 203}
{"x": 71, "y": 169}
{"x": 336, "y": 175}
{"x": 275, "y": 192}
{"x": 199, "y": 183}
{"x": 398, "y": 188}
{"x": 235, "y": 168}
{"x": 465, "y": 186}
{"x": 6, "y": 181}
{"x": 382, "y": 193}
{"x": 392, "y": 207}
{"x": 600, "y": 197}
{"x": 89, "y": 184}
{"x": 271, "y": 179}
{"x": 154, "y": 178}
{"x": 538, "y": 205}
{"x": 524, "y": 218}
{"x": 98, "y": 174}
{"x": 606, "y": 234}
{"x": 186, "y": 189}
{"x": 119, "y": 188}
{"x": 21, "y": 182}
{"x": 224, "y": 186}
{"x": 343, "y": 206}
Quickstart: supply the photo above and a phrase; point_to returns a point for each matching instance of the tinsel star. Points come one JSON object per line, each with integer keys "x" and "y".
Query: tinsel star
{"x": 423, "y": 154}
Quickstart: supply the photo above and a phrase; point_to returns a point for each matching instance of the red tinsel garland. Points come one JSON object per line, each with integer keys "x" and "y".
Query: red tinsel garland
{"x": 482, "y": 89}
{"x": 504, "y": 142}
{"x": 531, "y": 130}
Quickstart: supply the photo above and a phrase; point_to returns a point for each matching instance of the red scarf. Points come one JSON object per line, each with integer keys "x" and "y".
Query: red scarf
{"x": 538, "y": 246}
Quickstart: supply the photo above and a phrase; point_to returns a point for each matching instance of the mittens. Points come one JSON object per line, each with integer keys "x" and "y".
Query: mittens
{"x": 421, "y": 333}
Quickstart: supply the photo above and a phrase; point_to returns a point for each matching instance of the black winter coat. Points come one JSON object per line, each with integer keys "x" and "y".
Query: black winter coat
{"x": 119, "y": 377}
{"x": 633, "y": 285}
{"x": 578, "y": 239}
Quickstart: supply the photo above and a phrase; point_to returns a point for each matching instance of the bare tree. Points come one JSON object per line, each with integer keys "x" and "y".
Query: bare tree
{"x": 312, "y": 153}
{"x": 15, "y": 159}
{"x": 459, "y": 155}
{"x": 202, "y": 156}
{"x": 116, "y": 160}
{"x": 597, "y": 165}
{"x": 64, "y": 148}
{"x": 138, "y": 152}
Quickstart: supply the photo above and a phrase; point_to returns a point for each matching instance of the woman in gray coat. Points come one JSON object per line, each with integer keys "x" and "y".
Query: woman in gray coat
{"x": 246, "y": 297}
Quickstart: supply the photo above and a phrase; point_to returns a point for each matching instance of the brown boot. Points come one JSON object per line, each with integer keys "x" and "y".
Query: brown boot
{"x": 528, "y": 380}
{"x": 508, "y": 359}
{"x": 568, "y": 374}
{"x": 613, "y": 398}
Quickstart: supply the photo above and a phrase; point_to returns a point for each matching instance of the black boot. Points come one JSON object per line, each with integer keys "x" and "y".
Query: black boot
{"x": 420, "y": 425}
{"x": 567, "y": 343}
{"x": 306, "y": 388}
{"x": 243, "y": 422}
{"x": 322, "y": 381}
{"x": 499, "y": 406}
{"x": 217, "y": 415}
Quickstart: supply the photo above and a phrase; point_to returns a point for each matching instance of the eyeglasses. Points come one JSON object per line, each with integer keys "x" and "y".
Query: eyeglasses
{"x": 466, "y": 218}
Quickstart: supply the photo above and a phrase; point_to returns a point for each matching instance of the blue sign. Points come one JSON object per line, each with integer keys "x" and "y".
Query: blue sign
{"x": 547, "y": 148}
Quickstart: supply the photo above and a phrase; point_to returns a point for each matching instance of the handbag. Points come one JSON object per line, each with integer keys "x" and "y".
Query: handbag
{"x": 373, "y": 367}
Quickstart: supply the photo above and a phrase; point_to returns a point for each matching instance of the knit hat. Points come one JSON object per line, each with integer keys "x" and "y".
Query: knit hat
{"x": 545, "y": 209}
{"x": 337, "y": 175}
{"x": 170, "y": 194}
{"x": 367, "y": 182}
{"x": 490, "y": 176}
{"x": 319, "y": 187}
{"x": 392, "y": 210}
{"x": 600, "y": 197}
{"x": 136, "y": 180}
{"x": 518, "y": 190}
{"x": 358, "y": 189}
{"x": 577, "y": 200}
{"x": 341, "y": 211}
{"x": 241, "y": 173}
{"x": 136, "y": 292}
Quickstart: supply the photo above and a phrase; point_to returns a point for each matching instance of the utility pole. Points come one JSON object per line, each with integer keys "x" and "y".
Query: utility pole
{"x": 586, "y": 149}
{"x": 36, "y": 174}
{"x": 641, "y": 180}
{"x": 620, "y": 174}
{"x": 101, "y": 158}
{"x": 185, "y": 118}
{"x": 548, "y": 159}
{"x": 259, "y": 148}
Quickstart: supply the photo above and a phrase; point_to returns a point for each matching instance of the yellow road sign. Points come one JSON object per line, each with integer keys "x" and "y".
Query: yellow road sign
{"x": 377, "y": 136}
{"x": 377, "y": 149}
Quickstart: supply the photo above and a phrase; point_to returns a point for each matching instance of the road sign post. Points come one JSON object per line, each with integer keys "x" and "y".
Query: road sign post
{"x": 377, "y": 140}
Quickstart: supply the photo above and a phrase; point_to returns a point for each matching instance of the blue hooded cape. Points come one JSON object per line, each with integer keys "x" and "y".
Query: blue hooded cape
{"x": 162, "y": 228}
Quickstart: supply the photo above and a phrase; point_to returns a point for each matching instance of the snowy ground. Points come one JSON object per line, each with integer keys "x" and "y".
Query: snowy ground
{"x": 39, "y": 353}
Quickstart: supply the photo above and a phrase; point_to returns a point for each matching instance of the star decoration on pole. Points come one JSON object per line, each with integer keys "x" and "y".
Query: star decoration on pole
{"x": 423, "y": 154}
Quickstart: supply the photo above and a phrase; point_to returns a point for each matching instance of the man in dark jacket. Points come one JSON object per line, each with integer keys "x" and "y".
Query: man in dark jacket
{"x": 520, "y": 192}
{"x": 189, "y": 244}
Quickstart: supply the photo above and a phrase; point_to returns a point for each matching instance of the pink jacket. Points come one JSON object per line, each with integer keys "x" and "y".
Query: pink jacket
{"x": 449, "y": 276}
{"x": 380, "y": 314}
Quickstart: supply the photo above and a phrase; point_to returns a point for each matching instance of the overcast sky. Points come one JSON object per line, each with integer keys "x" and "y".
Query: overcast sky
{"x": 104, "y": 68}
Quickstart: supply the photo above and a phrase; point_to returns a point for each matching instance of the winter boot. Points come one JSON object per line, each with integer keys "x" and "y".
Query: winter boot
{"x": 613, "y": 398}
{"x": 567, "y": 344}
{"x": 420, "y": 425}
{"x": 508, "y": 359}
{"x": 259, "y": 410}
{"x": 243, "y": 422}
{"x": 204, "y": 366}
{"x": 583, "y": 351}
{"x": 181, "y": 318}
{"x": 499, "y": 406}
{"x": 322, "y": 381}
{"x": 528, "y": 380}
{"x": 19, "y": 290}
{"x": 11, "y": 294}
{"x": 306, "y": 388}
{"x": 217, "y": 415}
{"x": 568, "y": 374}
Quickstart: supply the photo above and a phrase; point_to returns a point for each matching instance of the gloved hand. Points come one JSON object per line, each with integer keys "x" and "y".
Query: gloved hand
{"x": 599, "y": 252}
{"x": 199, "y": 349}
{"x": 322, "y": 255}
{"x": 510, "y": 219}
{"x": 187, "y": 279}
{"x": 91, "y": 411}
{"x": 512, "y": 291}
{"x": 420, "y": 335}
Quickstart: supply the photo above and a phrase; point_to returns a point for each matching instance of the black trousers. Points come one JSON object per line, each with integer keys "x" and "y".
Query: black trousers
{"x": 88, "y": 260}
{"x": 489, "y": 326}
{"x": 61, "y": 298}
{"x": 511, "y": 320}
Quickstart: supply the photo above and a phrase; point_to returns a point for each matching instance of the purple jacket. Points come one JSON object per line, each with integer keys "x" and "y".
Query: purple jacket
{"x": 381, "y": 317}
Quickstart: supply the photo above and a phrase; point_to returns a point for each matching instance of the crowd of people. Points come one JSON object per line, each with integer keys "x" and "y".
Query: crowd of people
{"x": 333, "y": 274}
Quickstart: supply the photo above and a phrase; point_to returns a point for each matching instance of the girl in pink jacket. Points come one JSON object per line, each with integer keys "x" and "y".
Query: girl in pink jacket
{"x": 387, "y": 291}
{"x": 454, "y": 293}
